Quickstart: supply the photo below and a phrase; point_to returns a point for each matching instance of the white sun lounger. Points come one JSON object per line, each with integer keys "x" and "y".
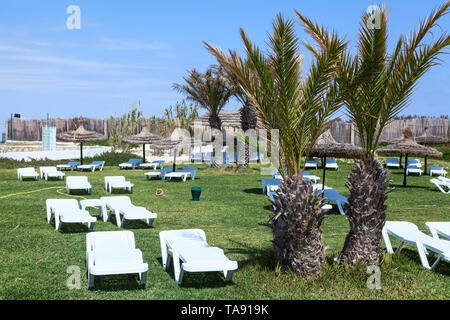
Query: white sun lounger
{"x": 111, "y": 253}
{"x": 178, "y": 175}
{"x": 408, "y": 232}
{"x": 67, "y": 211}
{"x": 392, "y": 163}
{"x": 439, "y": 228}
{"x": 437, "y": 170}
{"x": 78, "y": 183}
{"x": 413, "y": 168}
{"x": 195, "y": 253}
{"x": 27, "y": 173}
{"x": 51, "y": 172}
{"x": 441, "y": 185}
{"x": 312, "y": 164}
{"x": 117, "y": 182}
{"x": 444, "y": 179}
{"x": 330, "y": 163}
{"x": 122, "y": 205}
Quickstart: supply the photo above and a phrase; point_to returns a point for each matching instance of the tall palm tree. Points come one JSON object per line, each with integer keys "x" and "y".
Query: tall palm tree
{"x": 376, "y": 87}
{"x": 247, "y": 113}
{"x": 299, "y": 107}
{"x": 211, "y": 91}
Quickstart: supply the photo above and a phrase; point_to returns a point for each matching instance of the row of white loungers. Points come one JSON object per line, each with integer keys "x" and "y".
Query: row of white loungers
{"x": 69, "y": 211}
{"x": 408, "y": 232}
{"x": 114, "y": 252}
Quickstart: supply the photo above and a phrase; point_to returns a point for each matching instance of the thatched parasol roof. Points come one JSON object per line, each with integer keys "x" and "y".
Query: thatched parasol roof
{"x": 326, "y": 146}
{"x": 408, "y": 145}
{"x": 428, "y": 138}
{"x": 145, "y": 136}
{"x": 80, "y": 135}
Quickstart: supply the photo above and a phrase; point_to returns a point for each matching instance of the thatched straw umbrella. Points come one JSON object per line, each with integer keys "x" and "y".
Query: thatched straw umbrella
{"x": 81, "y": 135}
{"x": 426, "y": 139}
{"x": 326, "y": 146}
{"x": 166, "y": 144}
{"x": 408, "y": 145}
{"x": 144, "y": 137}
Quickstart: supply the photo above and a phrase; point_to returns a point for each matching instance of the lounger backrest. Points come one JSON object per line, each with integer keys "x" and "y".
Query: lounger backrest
{"x": 117, "y": 202}
{"x": 26, "y": 170}
{"x": 64, "y": 205}
{"x": 74, "y": 163}
{"x": 392, "y": 160}
{"x": 435, "y": 168}
{"x": 110, "y": 240}
{"x": 334, "y": 195}
{"x": 312, "y": 161}
{"x": 186, "y": 234}
{"x": 135, "y": 161}
{"x": 98, "y": 163}
{"x": 76, "y": 180}
{"x": 166, "y": 170}
{"x": 330, "y": 160}
{"x": 412, "y": 166}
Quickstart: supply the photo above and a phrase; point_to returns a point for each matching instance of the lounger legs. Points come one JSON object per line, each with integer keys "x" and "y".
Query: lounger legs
{"x": 177, "y": 270}
{"x": 90, "y": 280}
{"x": 228, "y": 274}
{"x": 91, "y": 226}
{"x": 119, "y": 223}
{"x": 150, "y": 222}
{"x": 143, "y": 278}
{"x": 341, "y": 210}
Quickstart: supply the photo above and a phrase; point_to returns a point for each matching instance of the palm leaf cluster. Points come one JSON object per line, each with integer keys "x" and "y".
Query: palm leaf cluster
{"x": 273, "y": 83}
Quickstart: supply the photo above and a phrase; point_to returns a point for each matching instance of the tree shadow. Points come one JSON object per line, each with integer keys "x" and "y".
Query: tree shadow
{"x": 255, "y": 256}
{"x": 254, "y": 191}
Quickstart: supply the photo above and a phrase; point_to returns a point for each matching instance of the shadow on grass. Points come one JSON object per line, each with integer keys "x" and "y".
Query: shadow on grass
{"x": 443, "y": 267}
{"x": 254, "y": 191}
{"x": 199, "y": 280}
{"x": 255, "y": 256}
{"x": 123, "y": 282}
{"x": 130, "y": 224}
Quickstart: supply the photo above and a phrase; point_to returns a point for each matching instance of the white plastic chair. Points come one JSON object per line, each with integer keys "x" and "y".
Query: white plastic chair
{"x": 117, "y": 182}
{"x": 27, "y": 173}
{"x": 196, "y": 255}
{"x": 67, "y": 211}
{"x": 78, "y": 183}
{"x": 111, "y": 253}
{"x": 51, "y": 172}
{"x": 408, "y": 232}
{"x": 439, "y": 228}
{"x": 392, "y": 163}
{"x": 122, "y": 205}
{"x": 333, "y": 195}
{"x": 441, "y": 185}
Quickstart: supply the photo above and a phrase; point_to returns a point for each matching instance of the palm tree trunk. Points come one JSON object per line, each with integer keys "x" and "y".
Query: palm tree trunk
{"x": 368, "y": 185}
{"x": 248, "y": 121}
{"x": 297, "y": 237}
{"x": 215, "y": 123}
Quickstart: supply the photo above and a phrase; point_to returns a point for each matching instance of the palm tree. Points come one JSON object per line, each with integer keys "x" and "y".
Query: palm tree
{"x": 211, "y": 91}
{"x": 300, "y": 108}
{"x": 247, "y": 113}
{"x": 376, "y": 87}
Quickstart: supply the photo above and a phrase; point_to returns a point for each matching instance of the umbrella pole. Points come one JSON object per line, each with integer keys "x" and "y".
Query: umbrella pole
{"x": 143, "y": 152}
{"x": 174, "y": 159}
{"x": 401, "y": 156}
{"x": 404, "y": 171}
{"x": 426, "y": 158}
{"x": 324, "y": 159}
{"x": 81, "y": 153}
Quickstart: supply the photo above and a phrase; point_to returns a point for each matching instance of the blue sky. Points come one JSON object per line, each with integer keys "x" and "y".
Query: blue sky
{"x": 135, "y": 50}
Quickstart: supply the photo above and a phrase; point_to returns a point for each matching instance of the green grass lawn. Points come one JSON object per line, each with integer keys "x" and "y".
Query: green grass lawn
{"x": 34, "y": 257}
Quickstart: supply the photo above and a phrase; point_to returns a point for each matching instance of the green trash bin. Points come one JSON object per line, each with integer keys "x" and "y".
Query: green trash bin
{"x": 196, "y": 191}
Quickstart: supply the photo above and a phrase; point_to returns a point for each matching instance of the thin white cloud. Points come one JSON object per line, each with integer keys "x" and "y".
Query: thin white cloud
{"x": 130, "y": 44}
